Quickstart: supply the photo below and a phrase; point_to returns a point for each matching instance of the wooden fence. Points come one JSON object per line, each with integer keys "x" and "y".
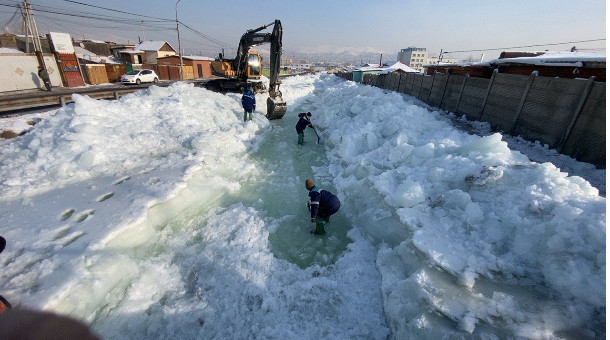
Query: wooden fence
{"x": 95, "y": 74}
{"x": 170, "y": 72}
{"x": 567, "y": 114}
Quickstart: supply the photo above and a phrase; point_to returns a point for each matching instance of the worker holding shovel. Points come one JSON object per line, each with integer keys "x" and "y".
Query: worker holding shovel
{"x": 304, "y": 121}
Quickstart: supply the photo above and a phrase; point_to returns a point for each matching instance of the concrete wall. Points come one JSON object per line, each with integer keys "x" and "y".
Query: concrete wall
{"x": 567, "y": 114}
{"x": 20, "y": 72}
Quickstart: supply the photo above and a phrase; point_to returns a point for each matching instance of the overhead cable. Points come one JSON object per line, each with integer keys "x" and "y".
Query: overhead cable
{"x": 538, "y": 45}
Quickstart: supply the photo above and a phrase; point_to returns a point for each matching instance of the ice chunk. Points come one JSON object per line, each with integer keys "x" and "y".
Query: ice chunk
{"x": 487, "y": 145}
{"x": 407, "y": 194}
{"x": 372, "y": 141}
{"x": 487, "y": 175}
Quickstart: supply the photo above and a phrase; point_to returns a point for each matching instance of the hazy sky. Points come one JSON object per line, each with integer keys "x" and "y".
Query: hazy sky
{"x": 334, "y": 25}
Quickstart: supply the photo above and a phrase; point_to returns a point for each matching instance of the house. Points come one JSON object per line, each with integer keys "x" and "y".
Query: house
{"x": 359, "y": 72}
{"x": 556, "y": 64}
{"x": 201, "y": 66}
{"x": 85, "y": 54}
{"x": 132, "y": 57}
{"x": 417, "y": 58}
{"x": 127, "y": 54}
{"x": 154, "y": 49}
{"x": 100, "y": 48}
{"x": 548, "y": 64}
{"x": 19, "y": 42}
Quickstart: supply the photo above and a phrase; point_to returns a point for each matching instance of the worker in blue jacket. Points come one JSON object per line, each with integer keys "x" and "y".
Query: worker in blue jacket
{"x": 304, "y": 121}
{"x": 322, "y": 204}
{"x": 248, "y": 101}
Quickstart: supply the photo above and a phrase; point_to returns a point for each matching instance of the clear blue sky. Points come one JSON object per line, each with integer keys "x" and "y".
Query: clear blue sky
{"x": 378, "y": 26}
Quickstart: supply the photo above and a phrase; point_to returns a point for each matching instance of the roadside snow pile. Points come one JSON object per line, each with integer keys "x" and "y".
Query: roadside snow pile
{"x": 167, "y": 126}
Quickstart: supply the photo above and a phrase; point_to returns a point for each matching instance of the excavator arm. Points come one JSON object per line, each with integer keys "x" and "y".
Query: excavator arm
{"x": 276, "y": 106}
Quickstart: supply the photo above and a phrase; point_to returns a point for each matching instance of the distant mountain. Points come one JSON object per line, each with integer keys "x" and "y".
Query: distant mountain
{"x": 328, "y": 54}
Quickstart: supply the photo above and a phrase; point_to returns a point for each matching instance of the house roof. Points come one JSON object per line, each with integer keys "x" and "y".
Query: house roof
{"x": 8, "y": 50}
{"x": 131, "y": 52}
{"x": 385, "y": 69}
{"x": 189, "y": 57}
{"x": 573, "y": 59}
{"x": 81, "y": 51}
{"x": 152, "y": 45}
{"x": 196, "y": 57}
{"x": 398, "y": 66}
{"x": 121, "y": 46}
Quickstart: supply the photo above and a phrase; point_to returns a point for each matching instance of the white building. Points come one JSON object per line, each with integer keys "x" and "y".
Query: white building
{"x": 417, "y": 57}
{"x": 414, "y": 57}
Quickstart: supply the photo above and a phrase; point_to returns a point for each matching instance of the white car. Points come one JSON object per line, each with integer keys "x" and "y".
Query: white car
{"x": 140, "y": 76}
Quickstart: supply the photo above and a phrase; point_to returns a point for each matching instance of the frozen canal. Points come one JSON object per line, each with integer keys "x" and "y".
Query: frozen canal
{"x": 163, "y": 215}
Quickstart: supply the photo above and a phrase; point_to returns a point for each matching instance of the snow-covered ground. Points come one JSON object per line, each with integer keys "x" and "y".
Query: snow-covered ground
{"x": 163, "y": 215}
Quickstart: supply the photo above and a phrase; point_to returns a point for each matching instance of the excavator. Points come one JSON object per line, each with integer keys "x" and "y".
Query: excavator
{"x": 245, "y": 70}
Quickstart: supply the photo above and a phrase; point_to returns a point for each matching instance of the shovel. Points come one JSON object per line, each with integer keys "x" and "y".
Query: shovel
{"x": 316, "y": 131}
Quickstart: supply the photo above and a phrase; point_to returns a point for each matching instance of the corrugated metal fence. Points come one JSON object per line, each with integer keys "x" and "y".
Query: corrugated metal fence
{"x": 567, "y": 114}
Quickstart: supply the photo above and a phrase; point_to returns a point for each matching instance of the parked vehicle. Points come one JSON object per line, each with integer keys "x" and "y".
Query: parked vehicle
{"x": 140, "y": 76}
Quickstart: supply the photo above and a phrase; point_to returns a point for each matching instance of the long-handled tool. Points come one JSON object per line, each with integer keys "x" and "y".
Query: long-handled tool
{"x": 316, "y": 131}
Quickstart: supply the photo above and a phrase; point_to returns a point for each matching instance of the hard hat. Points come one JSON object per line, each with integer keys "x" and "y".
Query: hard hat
{"x": 309, "y": 184}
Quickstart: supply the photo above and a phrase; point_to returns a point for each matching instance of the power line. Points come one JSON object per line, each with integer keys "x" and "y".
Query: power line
{"x": 218, "y": 42}
{"x": 9, "y": 21}
{"x": 85, "y": 15}
{"x": 114, "y": 10}
{"x": 154, "y": 25}
{"x": 539, "y": 45}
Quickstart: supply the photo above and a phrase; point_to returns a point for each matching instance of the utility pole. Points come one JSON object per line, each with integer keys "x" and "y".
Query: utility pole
{"x": 24, "y": 29}
{"x": 179, "y": 49}
{"x": 31, "y": 28}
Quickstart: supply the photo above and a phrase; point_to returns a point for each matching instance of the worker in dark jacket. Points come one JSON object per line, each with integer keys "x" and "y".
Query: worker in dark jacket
{"x": 248, "y": 101}
{"x": 4, "y": 305}
{"x": 322, "y": 204}
{"x": 304, "y": 121}
{"x": 44, "y": 75}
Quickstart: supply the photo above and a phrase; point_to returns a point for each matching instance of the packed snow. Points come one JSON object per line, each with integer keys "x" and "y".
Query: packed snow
{"x": 164, "y": 215}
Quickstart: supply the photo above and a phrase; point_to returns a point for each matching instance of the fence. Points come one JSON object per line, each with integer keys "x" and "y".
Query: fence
{"x": 95, "y": 74}
{"x": 170, "y": 72}
{"x": 567, "y": 114}
{"x": 20, "y": 72}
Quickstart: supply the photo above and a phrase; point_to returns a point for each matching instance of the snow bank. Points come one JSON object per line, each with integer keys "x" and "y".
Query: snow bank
{"x": 468, "y": 204}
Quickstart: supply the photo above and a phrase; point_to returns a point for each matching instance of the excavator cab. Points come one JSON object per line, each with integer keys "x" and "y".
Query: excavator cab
{"x": 254, "y": 65}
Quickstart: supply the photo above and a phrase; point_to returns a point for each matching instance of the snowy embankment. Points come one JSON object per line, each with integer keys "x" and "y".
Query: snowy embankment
{"x": 470, "y": 206}
{"x": 153, "y": 217}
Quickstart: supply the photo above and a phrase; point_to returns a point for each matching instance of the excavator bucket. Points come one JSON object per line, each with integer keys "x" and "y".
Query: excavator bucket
{"x": 276, "y": 108}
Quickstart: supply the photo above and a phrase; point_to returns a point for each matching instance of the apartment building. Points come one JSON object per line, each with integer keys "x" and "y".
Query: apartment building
{"x": 417, "y": 57}
{"x": 414, "y": 57}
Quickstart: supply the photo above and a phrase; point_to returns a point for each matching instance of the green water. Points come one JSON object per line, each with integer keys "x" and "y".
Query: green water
{"x": 279, "y": 194}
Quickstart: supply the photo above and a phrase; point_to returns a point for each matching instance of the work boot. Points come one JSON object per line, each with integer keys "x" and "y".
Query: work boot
{"x": 319, "y": 227}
